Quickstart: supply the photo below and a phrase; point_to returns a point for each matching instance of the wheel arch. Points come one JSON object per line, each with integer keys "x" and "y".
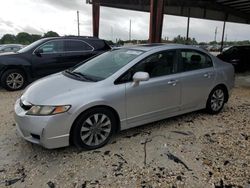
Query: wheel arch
{"x": 17, "y": 67}
{"x": 225, "y": 89}
{"x": 118, "y": 127}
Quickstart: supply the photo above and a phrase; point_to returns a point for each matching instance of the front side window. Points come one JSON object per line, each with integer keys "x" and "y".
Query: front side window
{"x": 193, "y": 60}
{"x": 32, "y": 46}
{"x": 106, "y": 64}
{"x": 156, "y": 65}
{"x": 75, "y": 46}
{"x": 52, "y": 47}
{"x": 159, "y": 64}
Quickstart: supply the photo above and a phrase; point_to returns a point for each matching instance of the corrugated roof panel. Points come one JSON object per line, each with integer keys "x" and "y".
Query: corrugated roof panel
{"x": 221, "y": 10}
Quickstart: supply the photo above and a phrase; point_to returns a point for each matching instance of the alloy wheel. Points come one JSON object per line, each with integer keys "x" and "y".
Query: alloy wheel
{"x": 217, "y": 99}
{"x": 14, "y": 81}
{"x": 96, "y": 129}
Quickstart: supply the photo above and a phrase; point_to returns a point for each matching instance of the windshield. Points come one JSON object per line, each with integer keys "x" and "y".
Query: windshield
{"x": 31, "y": 46}
{"x": 104, "y": 65}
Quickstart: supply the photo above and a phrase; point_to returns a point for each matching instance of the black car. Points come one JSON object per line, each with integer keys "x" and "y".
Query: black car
{"x": 46, "y": 56}
{"x": 238, "y": 56}
{"x": 10, "y": 48}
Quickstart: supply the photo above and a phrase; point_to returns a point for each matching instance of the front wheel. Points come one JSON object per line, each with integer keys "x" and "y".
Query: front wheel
{"x": 216, "y": 100}
{"x": 13, "y": 80}
{"x": 94, "y": 128}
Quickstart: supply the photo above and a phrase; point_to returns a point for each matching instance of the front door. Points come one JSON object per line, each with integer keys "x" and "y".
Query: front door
{"x": 50, "y": 58}
{"x": 158, "y": 97}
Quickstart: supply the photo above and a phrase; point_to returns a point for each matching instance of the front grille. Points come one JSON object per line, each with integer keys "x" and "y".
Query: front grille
{"x": 25, "y": 107}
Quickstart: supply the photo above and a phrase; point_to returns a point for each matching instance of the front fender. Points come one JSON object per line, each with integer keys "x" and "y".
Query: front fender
{"x": 16, "y": 63}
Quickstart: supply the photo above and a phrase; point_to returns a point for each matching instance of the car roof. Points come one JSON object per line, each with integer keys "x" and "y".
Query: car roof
{"x": 149, "y": 47}
{"x": 73, "y": 37}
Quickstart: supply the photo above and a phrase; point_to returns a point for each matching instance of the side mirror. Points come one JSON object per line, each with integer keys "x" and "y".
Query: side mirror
{"x": 140, "y": 76}
{"x": 39, "y": 51}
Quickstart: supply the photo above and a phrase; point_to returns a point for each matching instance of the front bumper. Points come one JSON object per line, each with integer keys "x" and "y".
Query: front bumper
{"x": 47, "y": 131}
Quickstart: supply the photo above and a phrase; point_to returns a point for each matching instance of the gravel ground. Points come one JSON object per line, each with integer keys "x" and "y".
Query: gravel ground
{"x": 193, "y": 150}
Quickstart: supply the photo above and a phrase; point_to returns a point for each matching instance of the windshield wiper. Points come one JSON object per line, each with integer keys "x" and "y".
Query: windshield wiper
{"x": 73, "y": 74}
{"x": 84, "y": 76}
{"x": 81, "y": 75}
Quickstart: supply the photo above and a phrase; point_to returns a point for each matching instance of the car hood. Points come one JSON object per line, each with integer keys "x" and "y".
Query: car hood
{"x": 55, "y": 89}
{"x": 6, "y": 54}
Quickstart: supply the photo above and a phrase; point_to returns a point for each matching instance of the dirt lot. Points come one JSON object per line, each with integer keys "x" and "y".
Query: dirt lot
{"x": 193, "y": 150}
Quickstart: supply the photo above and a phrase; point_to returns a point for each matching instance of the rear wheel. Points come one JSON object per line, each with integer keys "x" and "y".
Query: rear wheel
{"x": 13, "y": 80}
{"x": 94, "y": 128}
{"x": 216, "y": 100}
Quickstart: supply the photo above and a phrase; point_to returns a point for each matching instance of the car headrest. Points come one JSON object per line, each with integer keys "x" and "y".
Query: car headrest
{"x": 195, "y": 58}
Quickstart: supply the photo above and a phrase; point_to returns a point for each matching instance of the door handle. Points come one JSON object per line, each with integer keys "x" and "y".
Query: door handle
{"x": 172, "y": 82}
{"x": 207, "y": 75}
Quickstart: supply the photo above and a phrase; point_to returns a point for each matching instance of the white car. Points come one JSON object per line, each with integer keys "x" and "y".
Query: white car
{"x": 120, "y": 89}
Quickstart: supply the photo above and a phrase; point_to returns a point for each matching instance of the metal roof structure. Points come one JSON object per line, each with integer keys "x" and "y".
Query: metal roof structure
{"x": 237, "y": 11}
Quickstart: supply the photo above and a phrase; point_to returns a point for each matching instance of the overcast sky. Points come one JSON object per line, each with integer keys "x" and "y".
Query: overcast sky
{"x": 40, "y": 16}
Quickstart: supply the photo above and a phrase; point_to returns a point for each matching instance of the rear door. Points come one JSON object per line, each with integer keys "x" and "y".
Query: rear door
{"x": 76, "y": 51}
{"x": 196, "y": 76}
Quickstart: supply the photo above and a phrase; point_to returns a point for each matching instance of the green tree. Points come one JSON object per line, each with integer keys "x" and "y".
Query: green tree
{"x": 109, "y": 42}
{"x": 213, "y": 43}
{"x": 50, "y": 34}
{"x": 182, "y": 40}
{"x": 8, "y": 39}
{"x": 120, "y": 42}
{"x": 35, "y": 37}
{"x": 194, "y": 42}
{"x": 24, "y": 38}
{"x": 202, "y": 43}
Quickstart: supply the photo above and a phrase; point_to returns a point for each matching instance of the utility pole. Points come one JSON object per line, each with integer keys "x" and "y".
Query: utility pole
{"x": 215, "y": 34}
{"x": 130, "y": 30}
{"x": 188, "y": 23}
{"x": 78, "y": 23}
{"x": 112, "y": 33}
{"x": 223, "y": 34}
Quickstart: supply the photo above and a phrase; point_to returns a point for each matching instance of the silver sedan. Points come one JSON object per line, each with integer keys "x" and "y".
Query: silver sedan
{"x": 120, "y": 89}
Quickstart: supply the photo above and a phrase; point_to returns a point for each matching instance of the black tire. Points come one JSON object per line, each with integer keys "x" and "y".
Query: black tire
{"x": 220, "y": 100}
{"x": 20, "y": 80}
{"x": 81, "y": 123}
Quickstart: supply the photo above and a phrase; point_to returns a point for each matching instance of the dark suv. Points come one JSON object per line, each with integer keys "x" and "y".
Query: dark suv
{"x": 46, "y": 56}
{"x": 238, "y": 56}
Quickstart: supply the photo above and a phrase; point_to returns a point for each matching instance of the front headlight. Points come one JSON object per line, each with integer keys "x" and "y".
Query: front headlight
{"x": 47, "y": 110}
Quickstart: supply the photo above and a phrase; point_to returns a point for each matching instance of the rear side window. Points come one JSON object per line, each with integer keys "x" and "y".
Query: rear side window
{"x": 76, "y": 46}
{"x": 193, "y": 60}
{"x": 99, "y": 44}
{"x": 232, "y": 52}
{"x": 246, "y": 49}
